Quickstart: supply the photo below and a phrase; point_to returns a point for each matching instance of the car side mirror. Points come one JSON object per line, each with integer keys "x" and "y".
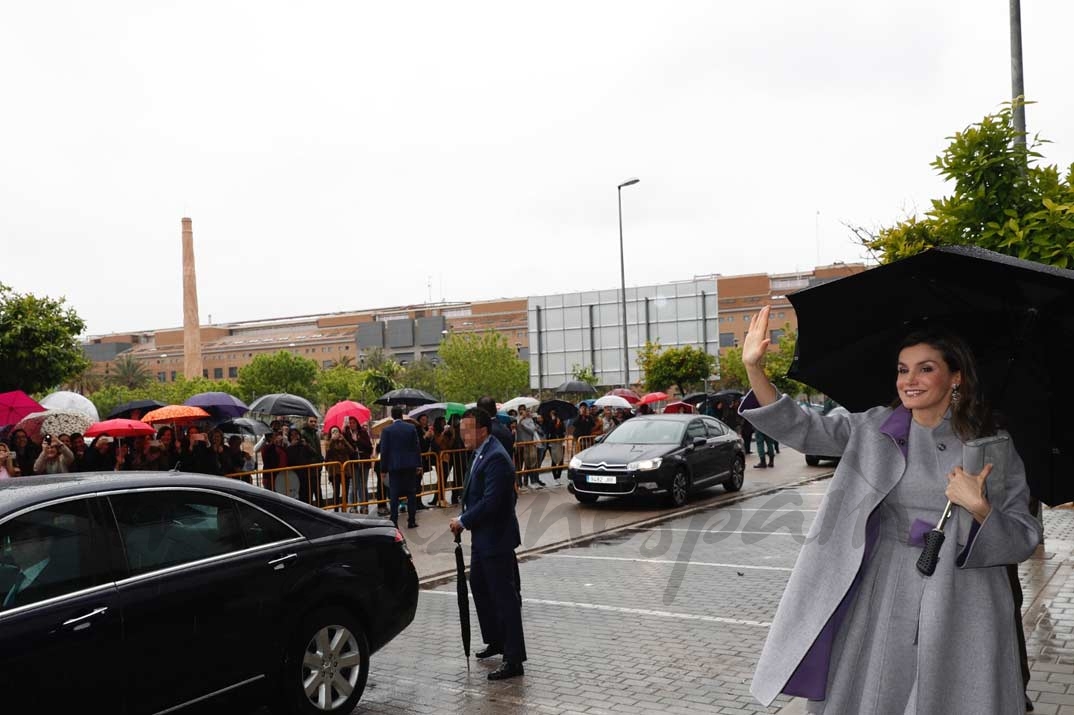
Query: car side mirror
{"x": 700, "y": 442}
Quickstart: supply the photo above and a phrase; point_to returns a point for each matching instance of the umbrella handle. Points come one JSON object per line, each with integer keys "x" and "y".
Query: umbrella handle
{"x": 926, "y": 562}
{"x": 458, "y": 538}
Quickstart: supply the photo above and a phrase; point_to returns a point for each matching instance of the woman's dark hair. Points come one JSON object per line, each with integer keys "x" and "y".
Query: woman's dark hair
{"x": 971, "y": 417}
{"x": 438, "y": 425}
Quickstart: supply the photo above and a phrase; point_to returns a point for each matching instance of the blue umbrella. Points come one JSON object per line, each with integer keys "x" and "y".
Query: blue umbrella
{"x": 218, "y": 404}
{"x": 587, "y": 403}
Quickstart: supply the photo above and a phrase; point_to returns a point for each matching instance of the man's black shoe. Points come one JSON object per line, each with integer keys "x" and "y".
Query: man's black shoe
{"x": 1029, "y": 704}
{"x": 762, "y": 465}
{"x": 488, "y": 652}
{"x": 507, "y": 670}
{"x": 412, "y": 525}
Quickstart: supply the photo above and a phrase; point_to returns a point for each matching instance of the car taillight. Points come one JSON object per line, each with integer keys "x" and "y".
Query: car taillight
{"x": 399, "y": 537}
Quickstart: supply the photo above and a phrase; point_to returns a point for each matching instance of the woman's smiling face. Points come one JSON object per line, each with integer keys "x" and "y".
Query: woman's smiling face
{"x": 924, "y": 380}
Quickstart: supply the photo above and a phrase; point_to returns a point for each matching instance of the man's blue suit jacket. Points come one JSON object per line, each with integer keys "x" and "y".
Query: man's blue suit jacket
{"x": 399, "y": 449}
{"x": 488, "y": 510}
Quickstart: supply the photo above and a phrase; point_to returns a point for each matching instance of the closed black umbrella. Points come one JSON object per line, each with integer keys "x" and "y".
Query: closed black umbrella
{"x": 464, "y": 598}
{"x": 405, "y": 396}
{"x": 1017, "y": 316}
{"x": 564, "y": 409}
{"x": 124, "y": 411}
{"x": 576, "y": 387}
{"x": 283, "y": 403}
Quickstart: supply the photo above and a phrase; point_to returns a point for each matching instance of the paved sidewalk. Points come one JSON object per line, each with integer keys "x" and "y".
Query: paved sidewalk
{"x": 552, "y": 517}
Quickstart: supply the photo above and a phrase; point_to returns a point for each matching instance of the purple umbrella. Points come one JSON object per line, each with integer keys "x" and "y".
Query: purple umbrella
{"x": 218, "y": 404}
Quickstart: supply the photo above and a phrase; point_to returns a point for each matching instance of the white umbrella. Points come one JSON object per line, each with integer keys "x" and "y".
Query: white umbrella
{"x": 613, "y": 401}
{"x": 71, "y": 402}
{"x": 54, "y": 422}
{"x": 515, "y": 403}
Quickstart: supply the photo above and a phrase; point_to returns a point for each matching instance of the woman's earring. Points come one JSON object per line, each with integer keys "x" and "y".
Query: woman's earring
{"x": 955, "y": 394}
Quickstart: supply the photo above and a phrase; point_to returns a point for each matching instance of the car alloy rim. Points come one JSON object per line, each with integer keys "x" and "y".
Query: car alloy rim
{"x": 330, "y": 667}
{"x": 679, "y": 488}
{"x": 738, "y": 472}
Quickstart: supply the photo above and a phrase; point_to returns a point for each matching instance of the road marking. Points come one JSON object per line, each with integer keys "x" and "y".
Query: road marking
{"x": 633, "y": 611}
{"x": 669, "y": 561}
{"x": 719, "y": 531}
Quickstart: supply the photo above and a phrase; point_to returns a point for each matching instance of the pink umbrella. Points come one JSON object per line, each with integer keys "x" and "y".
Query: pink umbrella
{"x": 626, "y": 393}
{"x": 676, "y": 407}
{"x": 652, "y": 397}
{"x": 15, "y": 405}
{"x": 347, "y": 408}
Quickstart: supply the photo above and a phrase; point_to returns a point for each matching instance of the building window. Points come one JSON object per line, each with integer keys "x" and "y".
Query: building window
{"x": 727, "y": 340}
{"x": 218, "y": 373}
{"x": 328, "y": 363}
{"x": 233, "y": 372}
{"x": 161, "y": 376}
{"x": 774, "y": 336}
{"x": 173, "y": 375}
{"x": 205, "y": 372}
{"x": 746, "y": 318}
{"x": 779, "y": 315}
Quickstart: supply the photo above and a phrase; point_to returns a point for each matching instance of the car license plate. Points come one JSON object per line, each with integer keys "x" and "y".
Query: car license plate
{"x": 599, "y": 479}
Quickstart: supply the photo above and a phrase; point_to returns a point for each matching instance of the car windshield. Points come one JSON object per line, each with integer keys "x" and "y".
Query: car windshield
{"x": 637, "y": 431}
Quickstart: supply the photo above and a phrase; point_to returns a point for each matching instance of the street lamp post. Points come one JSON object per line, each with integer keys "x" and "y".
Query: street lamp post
{"x": 622, "y": 280}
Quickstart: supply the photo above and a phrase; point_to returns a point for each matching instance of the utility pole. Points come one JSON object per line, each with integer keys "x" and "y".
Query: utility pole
{"x": 1018, "y": 91}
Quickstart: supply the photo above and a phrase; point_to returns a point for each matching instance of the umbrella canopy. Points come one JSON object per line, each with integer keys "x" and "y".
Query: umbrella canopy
{"x": 57, "y": 422}
{"x": 673, "y": 408}
{"x": 695, "y": 398}
{"x": 1017, "y": 316}
{"x": 516, "y": 402}
{"x": 576, "y": 387}
{"x": 504, "y": 418}
{"x": 613, "y": 401}
{"x": 438, "y": 409}
{"x": 15, "y": 405}
{"x": 652, "y": 397}
{"x": 463, "y": 597}
{"x": 127, "y": 409}
{"x": 347, "y": 408}
{"x": 244, "y": 425}
{"x": 284, "y": 403}
{"x": 587, "y": 403}
{"x": 121, "y": 428}
{"x": 564, "y": 409}
{"x": 178, "y": 414}
{"x": 728, "y": 395}
{"x": 405, "y": 396}
{"x": 626, "y": 393}
{"x": 218, "y": 404}
{"x": 377, "y": 427}
{"x": 72, "y": 401}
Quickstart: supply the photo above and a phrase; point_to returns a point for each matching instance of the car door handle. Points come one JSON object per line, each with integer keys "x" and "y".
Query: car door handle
{"x": 281, "y": 563}
{"x": 82, "y": 622}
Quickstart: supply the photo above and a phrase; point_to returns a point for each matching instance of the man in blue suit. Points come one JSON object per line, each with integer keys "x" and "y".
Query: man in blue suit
{"x": 488, "y": 511}
{"x": 400, "y": 457}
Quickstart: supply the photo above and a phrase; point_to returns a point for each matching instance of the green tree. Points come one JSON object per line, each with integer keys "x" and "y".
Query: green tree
{"x": 280, "y": 372}
{"x": 421, "y": 375}
{"x": 130, "y": 372}
{"x": 39, "y": 346}
{"x": 585, "y": 374}
{"x": 340, "y": 383}
{"x": 476, "y": 364}
{"x": 1002, "y": 200}
{"x": 685, "y": 367}
{"x": 777, "y": 363}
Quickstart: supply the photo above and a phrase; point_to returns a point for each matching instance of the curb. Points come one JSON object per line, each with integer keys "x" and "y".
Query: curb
{"x": 441, "y": 577}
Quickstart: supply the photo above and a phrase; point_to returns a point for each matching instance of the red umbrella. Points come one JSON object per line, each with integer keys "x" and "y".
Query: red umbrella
{"x": 347, "y": 408}
{"x": 652, "y": 397}
{"x": 175, "y": 413}
{"x": 121, "y": 428}
{"x": 627, "y": 394}
{"x": 676, "y": 407}
{"x": 15, "y": 405}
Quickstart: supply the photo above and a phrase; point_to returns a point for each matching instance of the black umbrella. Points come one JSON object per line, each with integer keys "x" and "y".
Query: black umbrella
{"x": 1018, "y": 317}
{"x": 243, "y": 425}
{"x": 405, "y": 396}
{"x": 696, "y": 398}
{"x": 124, "y": 411}
{"x": 283, "y": 403}
{"x": 576, "y": 387}
{"x": 728, "y": 395}
{"x": 464, "y": 597}
{"x": 565, "y": 410}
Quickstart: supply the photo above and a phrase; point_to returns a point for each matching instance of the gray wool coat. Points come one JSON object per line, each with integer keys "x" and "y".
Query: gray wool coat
{"x": 967, "y": 648}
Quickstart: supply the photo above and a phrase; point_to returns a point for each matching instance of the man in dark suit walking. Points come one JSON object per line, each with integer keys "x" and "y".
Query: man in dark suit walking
{"x": 400, "y": 457}
{"x": 488, "y": 511}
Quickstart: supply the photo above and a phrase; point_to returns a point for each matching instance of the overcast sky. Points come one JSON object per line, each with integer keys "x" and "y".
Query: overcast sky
{"x": 342, "y": 156}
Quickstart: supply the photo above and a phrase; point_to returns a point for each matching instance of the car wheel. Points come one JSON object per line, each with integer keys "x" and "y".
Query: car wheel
{"x": 586, "y": 498}
{"x": 326, "y": 664}
{"x": 812, "y": 460}
{"x": 680, "y": 488}
{"x": 738, "y": 475}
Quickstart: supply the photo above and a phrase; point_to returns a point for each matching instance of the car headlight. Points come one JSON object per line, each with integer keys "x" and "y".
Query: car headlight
{"x": 645, "y": 465}
{"x": 576, "y": 463}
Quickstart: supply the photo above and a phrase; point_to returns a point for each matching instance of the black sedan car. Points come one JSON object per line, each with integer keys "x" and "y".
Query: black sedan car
{"x": 670, "y": 455}
{"x": 148, "y": 593}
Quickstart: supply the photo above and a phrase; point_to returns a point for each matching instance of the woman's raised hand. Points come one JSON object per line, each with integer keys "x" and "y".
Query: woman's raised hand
{"x": 756, "y": 344}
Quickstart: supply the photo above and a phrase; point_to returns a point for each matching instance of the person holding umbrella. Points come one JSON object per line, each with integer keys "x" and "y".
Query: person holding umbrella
{"x": 488, "y": 511}
{"x": 860, "y": 628}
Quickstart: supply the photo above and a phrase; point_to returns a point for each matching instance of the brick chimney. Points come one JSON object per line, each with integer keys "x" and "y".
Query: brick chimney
{"x": 191, "y": 327}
